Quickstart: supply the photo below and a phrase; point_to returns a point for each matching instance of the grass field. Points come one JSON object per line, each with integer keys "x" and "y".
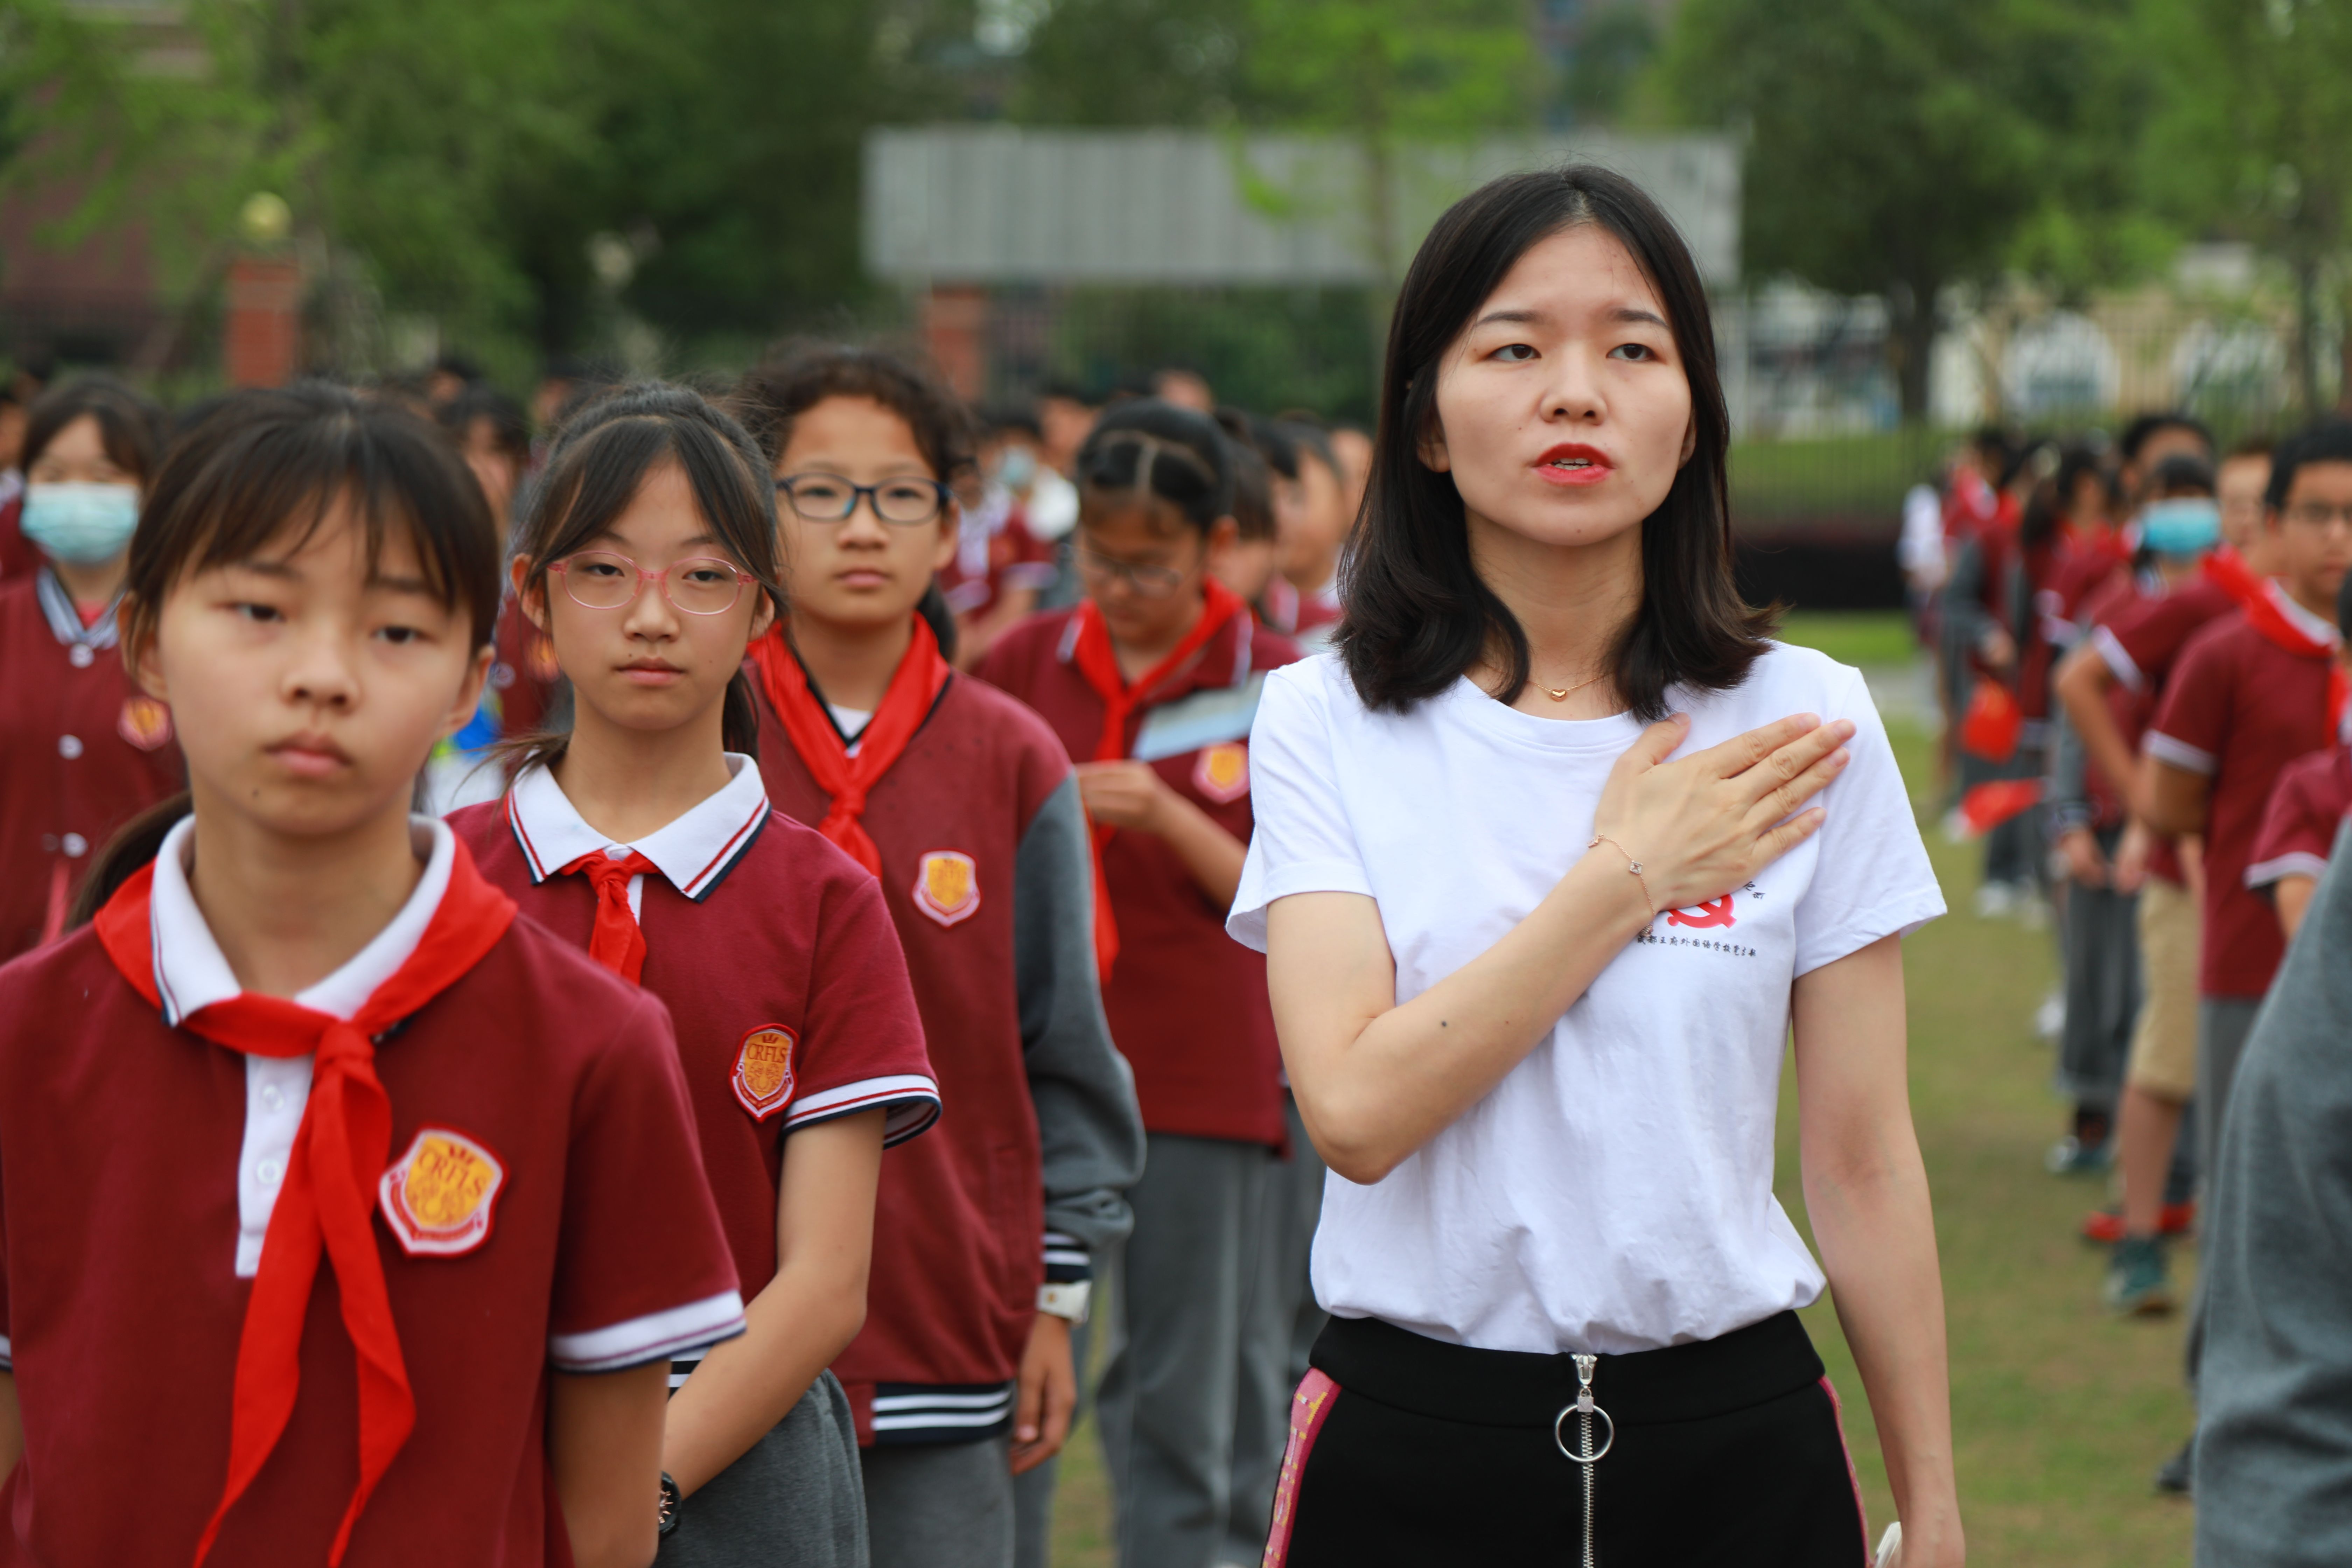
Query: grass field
{"x": 2060, "y": 1413}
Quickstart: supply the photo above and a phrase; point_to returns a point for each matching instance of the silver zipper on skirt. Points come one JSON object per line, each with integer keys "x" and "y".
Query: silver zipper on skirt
{"x": 1584, "y": 1453}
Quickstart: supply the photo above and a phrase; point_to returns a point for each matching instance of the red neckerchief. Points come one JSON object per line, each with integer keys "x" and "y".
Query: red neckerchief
{"x": 1098, "y": 662}
{"x": 616, "y": 940}
{"x": 340, "y": 1150}
{"x": 915, "y": 685}
{"x": 2263, "y": 600}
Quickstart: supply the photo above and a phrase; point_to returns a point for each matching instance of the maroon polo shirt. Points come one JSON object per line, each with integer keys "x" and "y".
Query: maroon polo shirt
{"x": 2306, "y": 807}
{"x": 1187, "y": 1003}
{"x": 959, "y": 1223}
{"x": 778, "y": 964}
{"x": 81, "y": 751}
{"x": 2141, "y": 643}
{"x": 2239, "y": 708}
{"x": 119, "y": 1140}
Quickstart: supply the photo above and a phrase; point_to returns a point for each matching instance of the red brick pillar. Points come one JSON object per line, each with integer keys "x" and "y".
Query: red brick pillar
{"x": 261, "y": 340}
{"x": 955, "y": 329}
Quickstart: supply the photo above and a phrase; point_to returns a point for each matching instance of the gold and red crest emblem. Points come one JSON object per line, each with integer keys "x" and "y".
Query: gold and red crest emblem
{"x": 947, "y": 887}
{"x": 437, "y": 1197}
{"x": 1222, "y": 773}
{"x": 145, "y": 722}
{"x": 763, "y": 1070}
{"x": 544, "y": 667}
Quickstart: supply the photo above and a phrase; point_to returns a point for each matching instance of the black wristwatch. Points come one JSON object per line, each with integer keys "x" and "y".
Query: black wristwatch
{"x": 667, "y": 1520}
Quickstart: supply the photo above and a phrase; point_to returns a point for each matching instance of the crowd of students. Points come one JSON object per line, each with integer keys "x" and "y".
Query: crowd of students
{"x": 779, "y": 777}
{"x": 2142, "y": 649}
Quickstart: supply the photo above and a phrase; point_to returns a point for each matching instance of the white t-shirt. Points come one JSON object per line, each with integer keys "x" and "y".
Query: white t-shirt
{"x": 1614, "y": 1192}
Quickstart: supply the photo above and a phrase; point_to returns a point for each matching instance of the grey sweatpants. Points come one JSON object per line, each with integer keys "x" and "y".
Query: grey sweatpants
{"x": 1169, "y": 1394}
{"x": 2101, "y": 954}
{"x": 792, "y": 1501}
{"x": 940, "y": 1505}
{"x": 1282, "y": 1321}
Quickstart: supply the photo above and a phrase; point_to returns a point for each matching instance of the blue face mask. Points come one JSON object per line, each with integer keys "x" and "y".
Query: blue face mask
{"x": 1016, "y": 469}
{"x": 82, "y": 525}
{"x": 2189, "y": 526}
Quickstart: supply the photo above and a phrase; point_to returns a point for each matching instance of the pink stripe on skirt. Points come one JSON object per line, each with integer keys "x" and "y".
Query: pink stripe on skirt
{"x": 1310, "y": 1408}
{"x": 1837, "y": 1413}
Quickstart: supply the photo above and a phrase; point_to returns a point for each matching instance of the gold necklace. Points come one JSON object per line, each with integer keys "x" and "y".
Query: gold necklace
{"x": 1562, "y": 693}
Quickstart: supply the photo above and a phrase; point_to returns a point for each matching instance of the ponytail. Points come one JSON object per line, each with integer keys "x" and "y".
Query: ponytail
{"x": 135, "y": 844}
{"x": 738, "y": 721}
{"x": 933, "y": 608}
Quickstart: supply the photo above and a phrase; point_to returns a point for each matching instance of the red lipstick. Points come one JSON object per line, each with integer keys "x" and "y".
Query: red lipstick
{"x": 1573, "y": 465}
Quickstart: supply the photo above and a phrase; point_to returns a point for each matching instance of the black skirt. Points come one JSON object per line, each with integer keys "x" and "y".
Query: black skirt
{"x": 1406, "y": 1450}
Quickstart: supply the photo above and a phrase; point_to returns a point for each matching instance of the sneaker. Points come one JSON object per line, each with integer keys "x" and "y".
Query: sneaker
{"x": 2071, "y": 1156}
{"x": 1995, "y": 899}
{"x": 2138, "y": 1285}
{"x": 2172, "y": 1476}
{"x": 2105, "y": 1225}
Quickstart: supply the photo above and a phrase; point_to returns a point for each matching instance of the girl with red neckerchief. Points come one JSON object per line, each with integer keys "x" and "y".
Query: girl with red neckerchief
{"x": 647, "y": 835}
{"x": 304, "y": 1035}
{"x": 963, "y": 803}
{"x": 1151, "y": 683}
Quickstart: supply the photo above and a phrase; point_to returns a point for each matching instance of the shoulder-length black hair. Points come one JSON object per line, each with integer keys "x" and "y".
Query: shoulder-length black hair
{"x": 600, "y": 462}
{"x": 1417, "y": 614}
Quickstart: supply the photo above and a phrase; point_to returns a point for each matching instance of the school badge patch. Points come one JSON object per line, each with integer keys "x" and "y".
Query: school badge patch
{"x": 145, "y": 722}
{"x": 1222, "y": 773}
{"x": 763, "y": 1070}
{"x": 543, "y": 666}
{"x": 437, "y": 1197}
{"x": 947, "y": 887}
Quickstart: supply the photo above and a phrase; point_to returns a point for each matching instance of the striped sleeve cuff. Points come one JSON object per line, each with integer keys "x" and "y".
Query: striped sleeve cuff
{"x": 656, "y": 1336}
{"x": 2299, "y": 863}
{"x": 911, "y": 1100}
{"x": 2119, "y": 663}
{"x": 8, "y": 1356}
{"x": 1067, "y": 1261}
{"x": 2180, "y": 753}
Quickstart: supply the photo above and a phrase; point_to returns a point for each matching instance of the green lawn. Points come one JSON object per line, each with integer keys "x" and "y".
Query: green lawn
{"x": 2060, "y": 1413}
{"x": 1862, "y": 637}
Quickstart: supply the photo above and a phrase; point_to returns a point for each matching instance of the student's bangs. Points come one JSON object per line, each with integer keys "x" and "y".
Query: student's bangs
{"x": 801, "y": 374}
{"x": 130, "y": 425}
{"x": 264, "y": 470}
{"x": 613, "y": 444}
{"x": 1418, "y": 614}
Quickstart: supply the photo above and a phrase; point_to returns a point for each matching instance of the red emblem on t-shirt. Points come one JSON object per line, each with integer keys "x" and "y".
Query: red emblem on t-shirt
{"x": 763, "y": 1070}
{"x": 145, "y": 722}
{"x": 947, "y": 887}
{"x": 437, "y": 1197}
{"x": 1222, "y": 773}
{"x": 1717, "y": 913}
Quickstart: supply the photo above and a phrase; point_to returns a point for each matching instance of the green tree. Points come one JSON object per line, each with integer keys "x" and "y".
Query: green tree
{"x": 1899, "y": 147}
{"x": 2255, "y": 143}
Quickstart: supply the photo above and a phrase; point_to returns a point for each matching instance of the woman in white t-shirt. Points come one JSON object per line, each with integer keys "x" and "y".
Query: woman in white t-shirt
{"x": 1533, "y": 960}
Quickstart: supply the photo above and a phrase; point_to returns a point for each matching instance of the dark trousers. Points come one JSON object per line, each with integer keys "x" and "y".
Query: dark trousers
{"x": 1724, "y": 1451}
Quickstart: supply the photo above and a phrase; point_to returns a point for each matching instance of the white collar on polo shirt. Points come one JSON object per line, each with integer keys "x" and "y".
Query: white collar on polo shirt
{"x": 694, "y": 850}
{"x": 190, "y": 972}
{"x": 2318, "y": 628}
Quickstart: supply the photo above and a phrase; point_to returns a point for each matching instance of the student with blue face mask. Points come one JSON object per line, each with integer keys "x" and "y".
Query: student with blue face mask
{"x": 82, "y": 750}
